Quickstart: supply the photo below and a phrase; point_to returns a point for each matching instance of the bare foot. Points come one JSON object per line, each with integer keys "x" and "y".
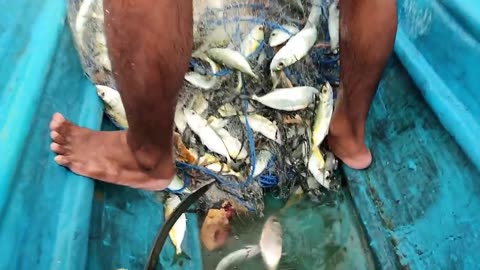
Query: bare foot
{"x": 105, "y": 156}
{"x": 350, "y": 149}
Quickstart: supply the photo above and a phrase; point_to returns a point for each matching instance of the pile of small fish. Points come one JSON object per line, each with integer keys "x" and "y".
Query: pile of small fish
{"x": 255, "y": 108}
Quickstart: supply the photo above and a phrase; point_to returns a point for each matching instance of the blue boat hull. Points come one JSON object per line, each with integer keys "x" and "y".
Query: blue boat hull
{"x": 418, "y": 202}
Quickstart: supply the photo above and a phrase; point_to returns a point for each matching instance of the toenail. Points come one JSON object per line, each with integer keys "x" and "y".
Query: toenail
{"x": 55, "y": 136}
{"x": 55, "y": 147}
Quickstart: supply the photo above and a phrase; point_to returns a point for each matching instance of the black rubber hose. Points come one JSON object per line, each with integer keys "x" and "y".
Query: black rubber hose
{"x": 167, "y": 226}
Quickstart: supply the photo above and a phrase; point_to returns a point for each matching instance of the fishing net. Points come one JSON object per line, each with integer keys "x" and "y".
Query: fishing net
{"x": 222, "y": 95}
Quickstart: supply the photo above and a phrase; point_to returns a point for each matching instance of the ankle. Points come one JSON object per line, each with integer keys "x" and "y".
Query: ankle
{"x": 152, "y": 158}
{"x": 343, "y": 128}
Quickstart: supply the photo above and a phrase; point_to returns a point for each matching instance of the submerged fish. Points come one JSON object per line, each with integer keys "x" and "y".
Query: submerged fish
{"x": 231, "y": 59}
{"x": 271, "y": 242}
{"x": 252, "y": 41}
{"x": 208, "y": 135}
{"x": 177, "y": 233}
{"x": 296, "y": 48}
{"x": 262, "y": 159}
{"x": 263, "y": 126}
{"x": 288, "y": 99}
{"x": 334, "y": 25}
{"x": 279, "y": 35}
{"x": 238, "y": 256}
{"x": 323, "y": 115}
{"x": 296, "y": 196}
{"x": 113, "y": 105}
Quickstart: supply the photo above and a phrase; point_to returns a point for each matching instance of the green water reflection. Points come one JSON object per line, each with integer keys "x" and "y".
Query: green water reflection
{"x": 316, "y": 236}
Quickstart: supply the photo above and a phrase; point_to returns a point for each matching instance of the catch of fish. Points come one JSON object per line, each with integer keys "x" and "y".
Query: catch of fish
{"x": 255, "y": 108}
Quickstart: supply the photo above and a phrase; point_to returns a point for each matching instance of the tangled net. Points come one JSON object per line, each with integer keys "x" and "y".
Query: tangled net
{"x": 226, "y": 97}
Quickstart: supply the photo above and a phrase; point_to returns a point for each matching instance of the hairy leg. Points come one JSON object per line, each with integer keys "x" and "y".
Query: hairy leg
{"x": 367, "y": 34}
{"x": 149, "y": 43}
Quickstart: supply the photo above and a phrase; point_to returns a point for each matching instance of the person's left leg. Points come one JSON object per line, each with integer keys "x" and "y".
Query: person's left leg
{"x": 149, "y": 43}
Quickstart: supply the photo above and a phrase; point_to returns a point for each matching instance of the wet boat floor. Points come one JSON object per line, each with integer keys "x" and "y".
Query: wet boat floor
{"x": 316, "y": 236}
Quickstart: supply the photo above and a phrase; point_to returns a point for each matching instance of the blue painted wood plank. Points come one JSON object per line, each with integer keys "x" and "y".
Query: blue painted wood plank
{"x": 420, "y": 198}
{"x": 45, "y": 223}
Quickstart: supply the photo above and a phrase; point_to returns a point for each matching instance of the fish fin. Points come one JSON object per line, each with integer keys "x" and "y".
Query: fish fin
{"x": 180, "y": 257}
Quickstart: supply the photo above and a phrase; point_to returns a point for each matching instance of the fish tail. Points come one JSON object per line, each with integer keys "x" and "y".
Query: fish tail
{"x": 180, "y": 257}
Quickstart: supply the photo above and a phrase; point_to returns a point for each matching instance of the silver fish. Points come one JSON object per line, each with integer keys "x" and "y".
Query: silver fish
{"x": 271, "y": 242}
{"x": 334, "y": 25}
{"x": 217, "y": 123}
{"x": 102, "y": 53}
{"x": 252, "y": 41}
{"x": 238, "y": 256}
{"x": 81, "y": 20}
{"x": 296, "y": 48}
{"x": 235, "y": 148}
{"x": 177, "y": 184}
{"x": 208, "y": 135}
{"x": 323, "y": 115}
{"x": 288, "y": 99}
{"x": 179, "y": 118}
{"x": 316, "y": 166}
{"x": 227, "y": 110}
{"x": 231, "y": 59}
{"x": 263, "y": 126}
{"x": 199, "y": 104}
{"x": 113, "y": 105}
{"x": 177, "y": 233}
{"x": 315, "y": 13}
{"x": 262, "y": 159}
{"x": 223, "y": 169}
{"x": 331, "y": 163}
{"x": 279, "y": 35}
{"x": 201, "y": 81}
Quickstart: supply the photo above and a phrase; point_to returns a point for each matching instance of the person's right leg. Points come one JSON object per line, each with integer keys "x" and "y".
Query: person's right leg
{"x": 149, "y": 43}
{"x": 367, "y": 34}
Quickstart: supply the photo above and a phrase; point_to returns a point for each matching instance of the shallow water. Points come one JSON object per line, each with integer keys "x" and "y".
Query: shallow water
{"x": 316, "y": 236}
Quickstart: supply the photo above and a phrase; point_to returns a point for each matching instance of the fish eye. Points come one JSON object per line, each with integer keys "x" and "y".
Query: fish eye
{"x": 274, "y": 34}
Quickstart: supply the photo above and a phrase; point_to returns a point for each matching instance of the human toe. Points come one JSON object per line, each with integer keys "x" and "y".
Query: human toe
{"x": 62, "y": 160}
{"x": 58, "y": 148}
{"x": 57, "y": 137}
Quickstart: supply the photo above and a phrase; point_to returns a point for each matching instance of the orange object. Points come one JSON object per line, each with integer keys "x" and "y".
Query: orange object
{"x": 215, "y": 229}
